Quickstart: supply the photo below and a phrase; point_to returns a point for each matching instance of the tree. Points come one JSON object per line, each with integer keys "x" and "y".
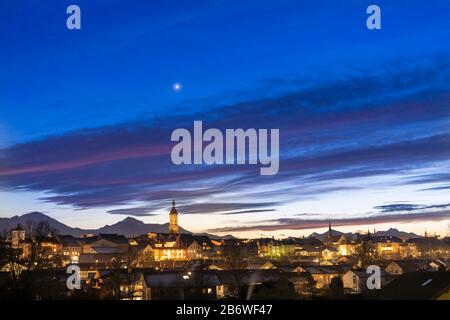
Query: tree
{"x": 273, "y": 290}
{"x": 122, "y": 276}
{"x": 26, "y": 263}
{"x": 336, "y": 288}
{"x": 235, "y": 261}
{"x": 130, "y": 276}
{"x": 366, "y": 252}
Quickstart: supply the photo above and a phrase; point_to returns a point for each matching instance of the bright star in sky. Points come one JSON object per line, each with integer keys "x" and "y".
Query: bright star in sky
{"x": 176, "y": 86}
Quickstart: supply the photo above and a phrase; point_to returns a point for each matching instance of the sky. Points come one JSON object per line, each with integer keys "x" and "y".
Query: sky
{"x": 86, "y": 115}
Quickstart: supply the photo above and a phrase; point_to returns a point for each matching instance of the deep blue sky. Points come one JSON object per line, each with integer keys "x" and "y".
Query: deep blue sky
{"x": 356, "y": 108}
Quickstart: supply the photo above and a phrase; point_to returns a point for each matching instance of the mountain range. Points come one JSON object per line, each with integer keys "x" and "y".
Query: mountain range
{"x": 392, "y": 232}
{"x": 133, "y": 227}
{"x": 127, "y": 227}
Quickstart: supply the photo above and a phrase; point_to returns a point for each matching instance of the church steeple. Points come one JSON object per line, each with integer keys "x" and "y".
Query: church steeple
{"x": 173, "y": 220}
{"x": 329, "y": 229}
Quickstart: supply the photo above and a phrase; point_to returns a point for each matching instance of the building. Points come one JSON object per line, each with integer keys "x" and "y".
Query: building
{"x": 173, "y": 220}
{"x": 105, "y": 243}
{"x": 340, "y": 242}
{"x": 355, "y": 281}
{"x": 105, "y": 250}
{"x": 387, "y": 247}
{"x": 281, "y": 266}
{"x": 346, "y": 247}
{"x": 308, "y": 250}
{"x": 177, "y": 285}
{"x": 217, "y": 284}
{"x": 429, "y": 247}
{"x": 440, "y": 265}
{"x": 410, "y": 249}
{"x": 71, "y": 249}
{"x": 252, "y": 280}
{"x": 50, "y": 246}
{"x": 330, "y": 254}
{"x": 276, "y": 249}
{"x": 17, "y": 236}
{"x": 333, "y": 239}
{"x": 400, "y": 267}
{"x": 323, "y": 275}
{"x": 176, "y": 247}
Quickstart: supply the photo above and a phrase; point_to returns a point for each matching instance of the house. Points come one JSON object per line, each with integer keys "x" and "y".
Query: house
{"x": 176, "y": 250}
{"x": 251, "y": 279}
{"x": 17, "y": 236}
{"x": 106, "y": 243}
{"x": 330, "y": 253}
{"x": 177, "y": 247}
{"x": 275, "y": 249}
{"x": 349, "y": 260}
{"x": 418, "y": 285}
{"x": 102, "y": 260}
{"x": 256, "y": 264}
{"x": 303, "y": 282}
{"x": 216, "y": 284}
{"x": 131, "y": 285}
{"x": 410, "y": 248}
{"x": 387, "y": 247}
{"x": 104, "y": 250}
{"x": 399, "y": 267}
{"x": 355, "y": 281}
{"x": 323, "y": 275}
{"x": 175, "y": 285}
{"x": 267, "y": 266}
{"x": 263, "y": 247}
{"x": 123, "y": 284}
{"x": 70, "y": 250}
{"x": 346, "y": 247}
{"x": 440, "y": 265}
{"x": 277, "y": 265}
{"x": 430, "y": 246}
{"x": 308, "y": 250}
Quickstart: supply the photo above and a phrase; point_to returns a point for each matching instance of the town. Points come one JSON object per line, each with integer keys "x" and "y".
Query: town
{"x": 175, "y": 265}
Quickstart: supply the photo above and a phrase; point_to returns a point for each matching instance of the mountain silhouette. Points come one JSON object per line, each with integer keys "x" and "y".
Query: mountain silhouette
{"x": 353, "y": 236}
{"x": 127, "y": 227}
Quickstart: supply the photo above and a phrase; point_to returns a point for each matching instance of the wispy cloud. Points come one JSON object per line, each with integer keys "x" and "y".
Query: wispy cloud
{"x": 227, "y": 208}
{"x": 303, "y": 224}
{"x": 395, "y": 207}
{"x": 136, "y": 211}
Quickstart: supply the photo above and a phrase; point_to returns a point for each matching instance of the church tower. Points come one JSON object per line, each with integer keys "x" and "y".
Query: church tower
{"x": 173, "y": 220}
{"x": 329, "y": 230}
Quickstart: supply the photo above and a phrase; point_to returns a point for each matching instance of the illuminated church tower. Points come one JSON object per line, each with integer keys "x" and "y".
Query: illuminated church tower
{"x": 173, "y": 219}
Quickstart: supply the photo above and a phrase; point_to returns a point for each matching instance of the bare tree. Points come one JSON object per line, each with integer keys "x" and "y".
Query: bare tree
{"x": 25, "y": 264}
{"x": 235, "y": 260}
{"x": 366, "y": 252}
{"x": 130, "y": 276}
{"x": 122, "y": 275}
